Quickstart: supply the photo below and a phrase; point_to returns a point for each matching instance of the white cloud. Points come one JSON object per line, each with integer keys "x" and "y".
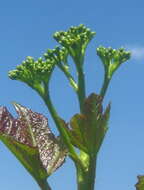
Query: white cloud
{"x": 137, "y": 52}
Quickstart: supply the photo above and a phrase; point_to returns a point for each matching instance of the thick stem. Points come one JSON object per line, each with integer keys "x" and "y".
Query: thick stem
{"x": 44, "y": 185}
{"x": 86, "y": 179}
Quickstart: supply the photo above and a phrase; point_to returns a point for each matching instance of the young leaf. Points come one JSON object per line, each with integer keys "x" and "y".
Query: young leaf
{"x": 88, "y": 129}
{"x": 31, "y": 141}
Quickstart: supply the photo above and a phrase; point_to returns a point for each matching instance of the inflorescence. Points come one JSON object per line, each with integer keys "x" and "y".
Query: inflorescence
{"x": 33, "y": 72}
{"x": 112, "y": 58}
{"x": 75, "y": 40}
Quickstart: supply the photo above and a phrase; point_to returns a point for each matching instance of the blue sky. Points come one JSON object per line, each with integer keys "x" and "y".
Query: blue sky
{"x": 26, "y": 29}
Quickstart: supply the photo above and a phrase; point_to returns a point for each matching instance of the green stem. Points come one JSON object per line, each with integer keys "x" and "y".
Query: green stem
{"x": 105, "y": 84}
{"x": 69, "y": 77}
{"x": 86, "y": 179}
{"x": 56, "y": 118}
{"x": 59, "y": 125}
{"x": 81, "y": 87}
{"x": 44, "y": 185}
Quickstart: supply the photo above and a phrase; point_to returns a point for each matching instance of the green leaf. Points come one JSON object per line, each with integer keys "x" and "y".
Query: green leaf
{"x": 88, "y": 129}
{"x": 140, "y": 184}
{"x": 28, "y": 156}
{"x": 31, "y": 141}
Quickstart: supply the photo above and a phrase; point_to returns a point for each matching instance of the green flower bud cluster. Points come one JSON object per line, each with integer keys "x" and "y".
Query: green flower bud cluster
{"x": 58, "y": 54}
{"x": 112, "y": 58}
{"x": 33, "y": 73}
{"x": 75, "y": 40}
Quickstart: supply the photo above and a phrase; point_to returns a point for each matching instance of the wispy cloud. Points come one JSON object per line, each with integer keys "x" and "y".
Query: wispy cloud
{"x": 137, "y": 52}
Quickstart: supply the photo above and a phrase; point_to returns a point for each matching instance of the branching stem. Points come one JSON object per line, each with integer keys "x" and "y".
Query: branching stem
{"x": 69, "y": 77}
{"x": 60, "y": 127}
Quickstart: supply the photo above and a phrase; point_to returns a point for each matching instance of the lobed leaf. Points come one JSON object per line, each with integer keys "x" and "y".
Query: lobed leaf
{"x": 88, "y": 129}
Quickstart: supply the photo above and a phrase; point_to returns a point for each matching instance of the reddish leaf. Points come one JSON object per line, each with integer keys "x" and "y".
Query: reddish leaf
{"x": 31, "y": 129}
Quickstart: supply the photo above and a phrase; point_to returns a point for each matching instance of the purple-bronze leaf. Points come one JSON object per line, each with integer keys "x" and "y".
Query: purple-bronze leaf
{"x": 13, "y": 127}
{"x": 31, "y": 129}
